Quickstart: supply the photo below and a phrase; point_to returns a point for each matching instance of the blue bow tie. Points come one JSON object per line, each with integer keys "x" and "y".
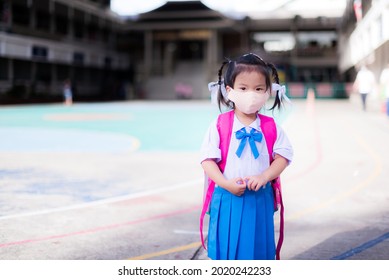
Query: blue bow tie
{"x": 253, "y": 136}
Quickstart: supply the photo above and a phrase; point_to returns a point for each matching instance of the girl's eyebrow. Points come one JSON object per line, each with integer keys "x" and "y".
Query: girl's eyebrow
{"x": 258, "y": 85}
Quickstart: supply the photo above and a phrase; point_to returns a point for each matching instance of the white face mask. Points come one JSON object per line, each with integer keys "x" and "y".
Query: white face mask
{"x": 248, "y": 102}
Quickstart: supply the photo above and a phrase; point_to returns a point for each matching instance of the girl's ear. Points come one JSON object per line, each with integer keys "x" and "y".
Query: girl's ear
{"x": 228, "y": 88}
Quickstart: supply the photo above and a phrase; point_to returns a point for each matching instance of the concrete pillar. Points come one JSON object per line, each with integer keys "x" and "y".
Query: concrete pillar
{"x": 53, "y": 27}
{"x": 148, "y": 54}
{"x": 294, "y": 31}
{"x": 10, "y": 71}
{"x": 33, "y": 71}
{"x": 53, "y": 82}
{"x": 168, "y": 58}
{"x": 86, "y": 22}
{"x": 8, "y": 5}
{"x": 70, "y": 21}
{"x": 212, "y": 54}
{"x": 244, "y": 41}
{"x": 33, "y": 17}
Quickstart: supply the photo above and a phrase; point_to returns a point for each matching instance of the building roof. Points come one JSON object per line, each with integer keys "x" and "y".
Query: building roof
{"x": 195, "y": 15}
{"x": 188, "y": 14}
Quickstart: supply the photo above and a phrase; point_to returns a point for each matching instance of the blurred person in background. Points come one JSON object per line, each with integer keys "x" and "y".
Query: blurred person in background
{"x": 67, "y": 92}
{"x": 364, "y": 84}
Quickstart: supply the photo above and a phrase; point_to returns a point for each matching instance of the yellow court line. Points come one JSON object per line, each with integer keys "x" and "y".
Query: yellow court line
{"x": 168, "y": 251}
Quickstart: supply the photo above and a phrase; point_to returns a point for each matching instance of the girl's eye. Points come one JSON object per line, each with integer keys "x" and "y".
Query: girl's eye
{"x": 242, "y": 88}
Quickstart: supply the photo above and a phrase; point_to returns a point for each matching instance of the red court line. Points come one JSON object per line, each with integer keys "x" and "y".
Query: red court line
{"x": 103, "y": 228}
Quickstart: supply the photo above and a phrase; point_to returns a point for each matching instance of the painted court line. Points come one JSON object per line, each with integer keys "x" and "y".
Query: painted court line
{"x": 102, "y": 228}
{"x": 361, "y": 248}
{"x": 105, "y": 201}
{"x": 168, "y": 251}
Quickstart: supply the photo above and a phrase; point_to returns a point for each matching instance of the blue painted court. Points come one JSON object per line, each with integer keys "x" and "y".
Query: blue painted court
{"x": 165, "y": 126}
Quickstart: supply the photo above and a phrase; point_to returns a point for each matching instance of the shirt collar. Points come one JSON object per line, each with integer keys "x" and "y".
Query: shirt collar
{"x": 238, "y": 125}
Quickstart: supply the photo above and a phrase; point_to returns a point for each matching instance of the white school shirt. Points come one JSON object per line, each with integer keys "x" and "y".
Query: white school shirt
{"x": 246, "y": 165}
{"x": 366, "y": 80}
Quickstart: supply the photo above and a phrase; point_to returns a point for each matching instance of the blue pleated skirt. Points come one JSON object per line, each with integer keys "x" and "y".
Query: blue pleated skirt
{"x": 242, "y": 227}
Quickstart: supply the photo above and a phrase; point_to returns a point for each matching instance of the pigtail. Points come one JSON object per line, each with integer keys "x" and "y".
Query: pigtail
{"x": 221, "y": 99}
{"x": 274, "y": 74}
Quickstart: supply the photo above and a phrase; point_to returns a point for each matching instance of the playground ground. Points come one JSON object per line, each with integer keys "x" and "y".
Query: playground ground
{"x": 121, "y": 180}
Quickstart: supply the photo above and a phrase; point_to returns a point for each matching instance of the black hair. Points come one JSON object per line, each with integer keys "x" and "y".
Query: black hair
{"x": 247, "y": 63}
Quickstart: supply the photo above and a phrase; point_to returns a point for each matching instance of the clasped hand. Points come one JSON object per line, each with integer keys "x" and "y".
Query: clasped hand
{"x": 238, "y": 185}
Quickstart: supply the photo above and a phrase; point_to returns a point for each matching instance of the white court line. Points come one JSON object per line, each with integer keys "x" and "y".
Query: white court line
{"x": 105, "y": 201}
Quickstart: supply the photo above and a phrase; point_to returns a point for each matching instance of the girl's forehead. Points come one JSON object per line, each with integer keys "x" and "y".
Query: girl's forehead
{"x": 253, "y": 76}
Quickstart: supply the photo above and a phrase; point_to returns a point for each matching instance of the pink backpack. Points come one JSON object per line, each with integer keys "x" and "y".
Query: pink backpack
{"x": 224, "y": 127}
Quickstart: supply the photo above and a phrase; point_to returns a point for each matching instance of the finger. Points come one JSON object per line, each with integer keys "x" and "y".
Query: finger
{"x": 252, "y": 185}
{"x": 241, "y": 182}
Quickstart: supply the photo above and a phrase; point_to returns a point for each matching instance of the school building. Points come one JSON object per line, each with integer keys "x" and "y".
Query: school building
{"x": 175, "y": 50}
{"x": 184, "y": 43}
{"x": 44, "y": 42}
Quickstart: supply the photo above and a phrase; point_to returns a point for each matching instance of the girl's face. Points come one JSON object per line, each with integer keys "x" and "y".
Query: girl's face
{"x": 249, "y": 93}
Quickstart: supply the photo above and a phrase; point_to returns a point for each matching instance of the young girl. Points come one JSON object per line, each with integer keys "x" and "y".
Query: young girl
{"x": 241, "y": 224}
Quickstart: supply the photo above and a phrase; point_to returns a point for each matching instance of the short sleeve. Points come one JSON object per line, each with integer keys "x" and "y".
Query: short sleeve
{"x": 210, "y": 146}
{"x": 282, "y": 146}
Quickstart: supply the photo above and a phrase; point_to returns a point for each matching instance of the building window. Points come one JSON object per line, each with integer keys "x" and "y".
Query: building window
{"x": 4, "y": 68}
{"x": 63, "y": 72}
{"x": 107, "y": 62}
{"x": 20, "y": 15}
{"x": 39, "y": 52}
{"x": 43, "y": 72}
{"x": 275, "y": 42}
{"x": 61, "y": 24}
{"x": 78, "y": 58}
{"x": 43, "y": 20}
{"x": 22, "y": 70}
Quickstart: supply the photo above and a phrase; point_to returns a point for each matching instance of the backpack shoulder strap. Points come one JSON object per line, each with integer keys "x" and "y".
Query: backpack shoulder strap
{"x": 224, "y": 128}
{"x": 269, "y": 131}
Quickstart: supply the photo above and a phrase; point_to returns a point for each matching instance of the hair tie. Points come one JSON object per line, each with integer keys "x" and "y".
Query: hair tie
{"x": 281, "y": 92}
{"x": 214, "y": 87}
